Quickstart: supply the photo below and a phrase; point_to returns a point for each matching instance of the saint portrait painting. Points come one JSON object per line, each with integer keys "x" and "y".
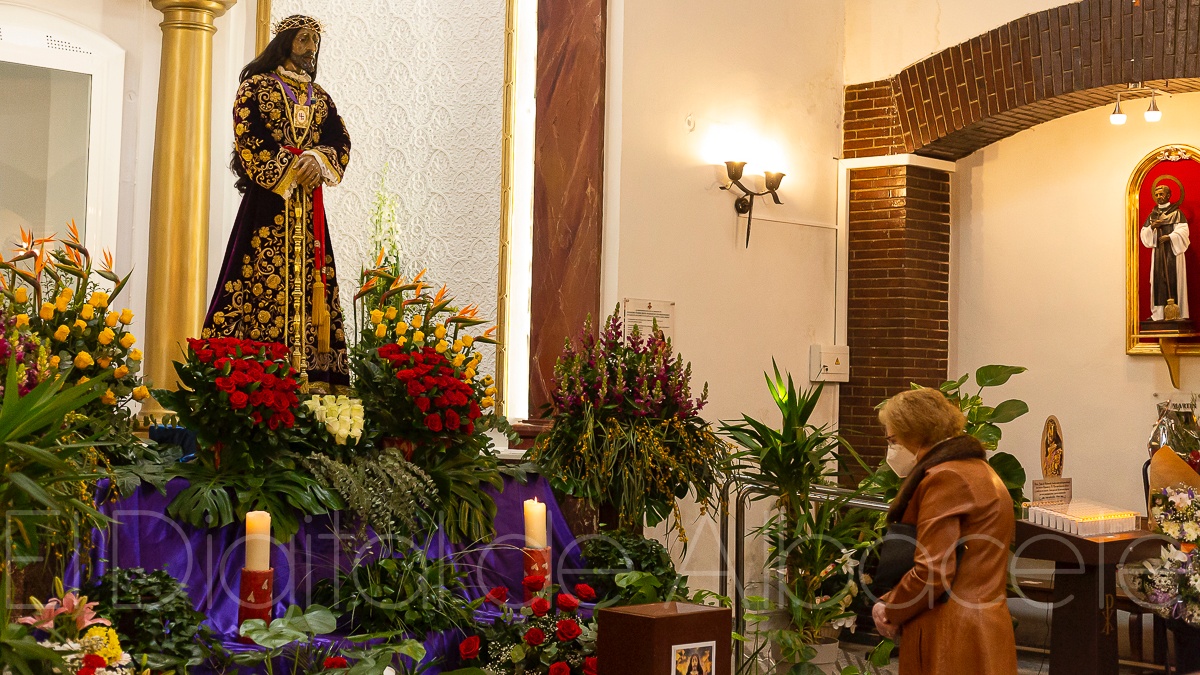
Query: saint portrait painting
{"x": 1163, "y": 280}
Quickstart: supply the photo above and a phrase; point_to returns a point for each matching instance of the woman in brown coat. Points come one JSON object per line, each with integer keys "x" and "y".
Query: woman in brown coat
{"x": 950, "y": 609}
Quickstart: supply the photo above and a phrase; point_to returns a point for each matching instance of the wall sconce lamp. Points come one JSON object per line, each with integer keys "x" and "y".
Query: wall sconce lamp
{"x": 745, "y": 203}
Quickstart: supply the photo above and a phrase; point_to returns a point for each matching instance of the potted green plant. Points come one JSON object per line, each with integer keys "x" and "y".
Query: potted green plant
{"x": 982, "y": 422}
{"x": 627, "y": 435}
{"x": 812, "y": 542}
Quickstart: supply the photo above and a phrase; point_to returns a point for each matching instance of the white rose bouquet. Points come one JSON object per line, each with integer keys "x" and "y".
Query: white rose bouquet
{"x": 341, "y": 415}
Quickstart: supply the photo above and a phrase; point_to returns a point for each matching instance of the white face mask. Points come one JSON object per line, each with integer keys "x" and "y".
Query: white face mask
{"x": 900, "y": 459}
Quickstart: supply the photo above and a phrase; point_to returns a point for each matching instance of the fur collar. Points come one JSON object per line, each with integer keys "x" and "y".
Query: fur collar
{"x": 949, "y": 450}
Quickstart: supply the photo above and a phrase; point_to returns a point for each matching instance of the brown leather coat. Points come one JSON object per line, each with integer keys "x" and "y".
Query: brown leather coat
{"x": 960, "y": 501}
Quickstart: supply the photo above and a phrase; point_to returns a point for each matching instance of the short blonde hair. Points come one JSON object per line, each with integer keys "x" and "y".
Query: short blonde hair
{"x": 921, "y": 418}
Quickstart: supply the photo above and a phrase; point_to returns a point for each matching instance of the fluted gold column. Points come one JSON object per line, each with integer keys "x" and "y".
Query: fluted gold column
{"x": 176, "y": 293}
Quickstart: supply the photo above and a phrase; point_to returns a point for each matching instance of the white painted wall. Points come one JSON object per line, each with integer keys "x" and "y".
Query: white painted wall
{"x": 671, "y": 234}
{"x": 1038, "y": 280}
{"x": 885, "y": 36}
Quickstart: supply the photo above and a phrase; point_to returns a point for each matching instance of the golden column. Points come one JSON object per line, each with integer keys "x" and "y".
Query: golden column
{"x": 177, "y": 286}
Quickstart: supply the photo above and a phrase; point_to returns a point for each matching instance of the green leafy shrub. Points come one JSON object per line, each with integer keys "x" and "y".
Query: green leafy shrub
{"x": 391, "y": 597}
{"x": 629, "y": 569}
{"x": 153, "y": 617}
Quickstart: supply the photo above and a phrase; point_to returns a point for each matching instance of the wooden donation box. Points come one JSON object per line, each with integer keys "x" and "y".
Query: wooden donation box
{"x": 661, "y": 638}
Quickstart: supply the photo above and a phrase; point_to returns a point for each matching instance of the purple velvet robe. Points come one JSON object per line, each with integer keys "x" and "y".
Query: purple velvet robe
{"x": 254, "y": 296}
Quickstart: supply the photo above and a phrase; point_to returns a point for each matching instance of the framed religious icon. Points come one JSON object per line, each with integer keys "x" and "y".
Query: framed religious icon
{"x": 1052, "y": 449}
{"x": 1162, "y": 276}
{"x": 696, "y": 658}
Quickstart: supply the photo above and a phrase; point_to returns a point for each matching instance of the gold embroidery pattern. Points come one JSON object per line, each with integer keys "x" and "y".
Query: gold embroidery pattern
{"x": 256, "y": 300}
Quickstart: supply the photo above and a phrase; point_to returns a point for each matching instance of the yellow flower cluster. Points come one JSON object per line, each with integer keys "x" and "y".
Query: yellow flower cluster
{"x": 102, "y": 641}
{"x": 87, "y": 335}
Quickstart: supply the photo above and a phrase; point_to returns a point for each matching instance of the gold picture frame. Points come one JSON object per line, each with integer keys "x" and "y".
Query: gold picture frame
{"x": 1136, "y": 341}
{"x": 262, "y": 36}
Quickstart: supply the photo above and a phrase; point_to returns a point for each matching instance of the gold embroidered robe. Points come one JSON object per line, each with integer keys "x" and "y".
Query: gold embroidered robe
{"x": 260, "y": 295}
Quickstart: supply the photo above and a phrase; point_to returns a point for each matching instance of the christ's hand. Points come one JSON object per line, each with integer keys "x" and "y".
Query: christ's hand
{"x": 308, "y": 171}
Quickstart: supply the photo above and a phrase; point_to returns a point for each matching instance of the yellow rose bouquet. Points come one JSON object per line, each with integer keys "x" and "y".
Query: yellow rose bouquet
{"x": 58, "y": 295}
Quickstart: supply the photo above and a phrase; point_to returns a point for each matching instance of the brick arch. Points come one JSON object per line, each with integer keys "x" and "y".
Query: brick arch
{"x": 1031, "y": 70}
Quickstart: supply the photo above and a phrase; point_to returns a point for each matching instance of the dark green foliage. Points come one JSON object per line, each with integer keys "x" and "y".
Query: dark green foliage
{"x": 391, "y": 597}
{"x": 288, "y": 493}
{"x": 627, "y": 568}
{"x": 982, "y": 423}
{"x": 153, "y": 616}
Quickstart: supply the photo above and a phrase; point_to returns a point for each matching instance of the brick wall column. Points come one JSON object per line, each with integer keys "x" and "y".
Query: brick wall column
{"x": 898, "y": 304}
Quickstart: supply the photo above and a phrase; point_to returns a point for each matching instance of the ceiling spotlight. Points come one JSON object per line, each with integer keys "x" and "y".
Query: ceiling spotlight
{"x": 1117, "y": 117}
{"x": 1153, "y": 114}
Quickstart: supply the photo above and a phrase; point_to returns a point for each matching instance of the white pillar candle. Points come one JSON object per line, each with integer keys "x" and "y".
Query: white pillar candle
{"x": 535, "y": 524}
{"x": 258, "y": 541}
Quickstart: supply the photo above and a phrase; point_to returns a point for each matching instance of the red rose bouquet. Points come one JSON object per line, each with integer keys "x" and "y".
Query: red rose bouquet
{"x": 417, "y": 369}
{"x": 238, "y": 396}
{"x": 535, "y": 640}
{"x": 417, "y": 366}
{"x": 240, "y": 399}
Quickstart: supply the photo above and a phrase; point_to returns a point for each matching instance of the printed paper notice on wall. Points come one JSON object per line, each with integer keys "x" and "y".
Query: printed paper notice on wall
{"x": 647, "y": 314}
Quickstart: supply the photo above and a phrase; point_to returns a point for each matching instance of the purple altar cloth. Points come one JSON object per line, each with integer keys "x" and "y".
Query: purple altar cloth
{"x": 209, "y": 562}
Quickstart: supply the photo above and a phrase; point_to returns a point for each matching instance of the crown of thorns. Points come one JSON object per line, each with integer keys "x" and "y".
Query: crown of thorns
{"x": 297, "y": 21}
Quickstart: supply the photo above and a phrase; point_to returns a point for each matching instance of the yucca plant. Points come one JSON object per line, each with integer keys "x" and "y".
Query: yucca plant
{"x": 814, "y": 542}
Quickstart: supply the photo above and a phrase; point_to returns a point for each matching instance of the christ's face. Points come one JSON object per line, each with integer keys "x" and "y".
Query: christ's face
{"x": 1162, "y": 195}
{"x": 304, "y": 50}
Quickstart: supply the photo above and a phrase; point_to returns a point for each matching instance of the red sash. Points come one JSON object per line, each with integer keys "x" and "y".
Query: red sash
{"x": 321, "y": 315}
{"x": 318, "y": 222}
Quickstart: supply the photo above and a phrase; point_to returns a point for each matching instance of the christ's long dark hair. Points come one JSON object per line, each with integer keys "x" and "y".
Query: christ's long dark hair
{"x": 274, "y": 55}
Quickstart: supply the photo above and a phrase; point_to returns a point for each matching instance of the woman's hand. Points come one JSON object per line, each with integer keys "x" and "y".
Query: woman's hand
{"x": 882, "y": 625}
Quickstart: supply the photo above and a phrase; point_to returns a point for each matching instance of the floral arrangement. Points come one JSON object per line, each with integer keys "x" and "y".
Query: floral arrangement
{"x": 417, "y": 366}
{"x": 417, "y": 369}
{"x": 341, "y": 415}
{"x": 62, "y": 298}
{"x": 1169, "y": 583}
{"x": 86, "y": 642}
{"x": 23, "y": 351}
{"x": 627, "y": 430}
{"x": 240, "y": 398}
{"x": 548, "y": 638}
{"x": 237, "y": 395}
{"x": 1177, "y": 514}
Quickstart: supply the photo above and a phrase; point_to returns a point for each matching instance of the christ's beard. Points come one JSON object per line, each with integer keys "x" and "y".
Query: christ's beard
{"x": 305, "y": 63}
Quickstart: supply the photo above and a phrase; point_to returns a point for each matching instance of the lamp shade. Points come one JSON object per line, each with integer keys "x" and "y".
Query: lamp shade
{"x": 734, "y": 169}
{"x": 773, "y": 180}
{"x": 1153, "y": 114}
{"x": 1117, "y": 117}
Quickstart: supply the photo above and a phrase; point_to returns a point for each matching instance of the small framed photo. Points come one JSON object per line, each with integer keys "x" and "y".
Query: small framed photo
{"x": 696, "y": 658}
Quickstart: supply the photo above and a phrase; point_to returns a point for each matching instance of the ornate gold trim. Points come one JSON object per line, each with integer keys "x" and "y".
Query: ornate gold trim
{"x": 507, "y": 202}
{"x": 1133, "y": 339}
